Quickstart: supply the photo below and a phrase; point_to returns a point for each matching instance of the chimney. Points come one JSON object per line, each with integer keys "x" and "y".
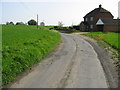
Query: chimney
{"x": 100, "y": 6}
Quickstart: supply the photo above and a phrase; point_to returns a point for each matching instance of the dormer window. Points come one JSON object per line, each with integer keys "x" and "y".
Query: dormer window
{"x": 91, "y": 19}
{"x": 86, "y": 19}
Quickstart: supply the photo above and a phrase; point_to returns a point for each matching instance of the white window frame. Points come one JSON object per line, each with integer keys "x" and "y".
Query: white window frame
{"x": 91, "y": 19}
{"x": 87, "y": 27}
{"x": 86, "y": 19}
{"x": 91, "y": 26}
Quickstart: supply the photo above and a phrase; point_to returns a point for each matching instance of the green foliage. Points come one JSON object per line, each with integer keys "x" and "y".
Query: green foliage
{"x": 76, "y": 27}
{"x": 24, "y": 46}
{"x": 19, "y": 23}
{"x": 56, "y": 27}
{"x": 49, "y": 27}
{"x": 110, "y": 38}
{"x": 9, "y": 23}
{"x": 32, "y": 22}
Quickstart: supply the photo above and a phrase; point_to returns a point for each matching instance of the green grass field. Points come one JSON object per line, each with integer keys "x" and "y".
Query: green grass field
{"x": 23, "y": 46}
{"x": 110, "y": 38}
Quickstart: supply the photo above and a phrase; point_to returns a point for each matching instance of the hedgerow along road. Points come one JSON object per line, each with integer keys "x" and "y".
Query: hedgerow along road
{"x": 74, "y": 64}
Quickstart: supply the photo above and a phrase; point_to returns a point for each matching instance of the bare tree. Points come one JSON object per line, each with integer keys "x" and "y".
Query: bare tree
{"x": 60, "y": 24}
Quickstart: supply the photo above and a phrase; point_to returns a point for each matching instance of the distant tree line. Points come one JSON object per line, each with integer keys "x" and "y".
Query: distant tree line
{"x": 59, "y": 27}
{"x": 71, "y": 28}
{"x": 76, "y": 27}
{"x": 20, "y": 23}
{"x": 30, "y": 22}
{"x": 9, "y": 23}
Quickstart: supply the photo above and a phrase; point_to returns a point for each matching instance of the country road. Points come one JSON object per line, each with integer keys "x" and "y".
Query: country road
{"x": 74, "y": 64}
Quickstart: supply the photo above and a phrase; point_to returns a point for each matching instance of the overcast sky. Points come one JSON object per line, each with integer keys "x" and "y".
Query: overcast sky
{"x": 51, "y": 11}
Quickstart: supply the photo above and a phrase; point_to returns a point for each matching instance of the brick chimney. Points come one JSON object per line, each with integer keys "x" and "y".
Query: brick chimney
{"x": 100, "y": 6}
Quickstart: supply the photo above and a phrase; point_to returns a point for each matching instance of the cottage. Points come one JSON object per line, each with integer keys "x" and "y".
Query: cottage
{"x": 99, "y": 19}
{"x": 42, "y": 24}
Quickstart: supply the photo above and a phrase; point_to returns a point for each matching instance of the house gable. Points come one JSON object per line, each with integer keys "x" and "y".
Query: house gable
{"x": 99, "y": 22}
{"x": 98, "y": 10}
{"x": 99, "y": 19}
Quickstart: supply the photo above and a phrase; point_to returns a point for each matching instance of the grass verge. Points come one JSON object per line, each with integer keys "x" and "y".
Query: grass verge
{"x": 24, "y": 46}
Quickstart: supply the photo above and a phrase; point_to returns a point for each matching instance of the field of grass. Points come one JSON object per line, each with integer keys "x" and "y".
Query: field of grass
{"x": 111, "y": 39}
{"x": 23, "y": 46}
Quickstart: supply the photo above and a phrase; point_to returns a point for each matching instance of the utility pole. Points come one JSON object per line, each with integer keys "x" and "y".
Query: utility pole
{"x": 72, "y": 23}
{"x": 37, "y": 21}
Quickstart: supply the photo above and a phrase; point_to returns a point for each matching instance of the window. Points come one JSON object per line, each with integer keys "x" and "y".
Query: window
{"x": 91, "y": 19}
{"x": 87, "y": 27}
{"x": 86, "y": 19}
{"x": 91, "y": 26}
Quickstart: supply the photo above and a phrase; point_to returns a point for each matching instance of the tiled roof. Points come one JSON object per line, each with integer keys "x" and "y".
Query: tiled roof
{"x": 85, "y": 23}
{"x": 97, "y": 10}
{"x": 111, "y": 21}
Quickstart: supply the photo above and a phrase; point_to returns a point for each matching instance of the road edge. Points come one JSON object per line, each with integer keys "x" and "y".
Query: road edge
{"x": 110, "y": 73}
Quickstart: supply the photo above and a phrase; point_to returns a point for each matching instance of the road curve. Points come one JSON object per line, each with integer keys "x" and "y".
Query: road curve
{"x": 74, "y": 64}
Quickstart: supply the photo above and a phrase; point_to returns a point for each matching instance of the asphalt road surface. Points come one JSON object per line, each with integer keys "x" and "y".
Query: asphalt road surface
{"x": 74, "y": 64}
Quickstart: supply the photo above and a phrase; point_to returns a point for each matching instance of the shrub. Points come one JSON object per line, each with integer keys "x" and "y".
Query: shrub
{"x": 32, "y": 22}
